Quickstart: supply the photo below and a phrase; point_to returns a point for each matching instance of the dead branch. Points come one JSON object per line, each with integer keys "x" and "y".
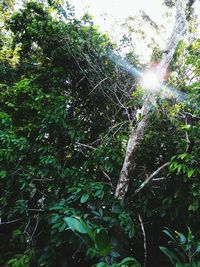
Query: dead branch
{"x": 85, "y": 145}
{"x": 77, "y": 84}
{"x": 98, "y": 84}
{"x": 150, "y": 178}
{"x": 37, "y": 210}
{"x": 108, "y": 178}
{"x": 145, "y": 240}
{"x": 35, "y": 228}
{"x": 9, "y": 222}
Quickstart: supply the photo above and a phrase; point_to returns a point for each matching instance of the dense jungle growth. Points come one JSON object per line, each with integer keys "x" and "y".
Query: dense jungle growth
{"x": 66, "y": 110}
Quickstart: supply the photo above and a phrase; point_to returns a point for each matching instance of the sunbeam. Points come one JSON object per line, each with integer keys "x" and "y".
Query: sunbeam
{"x": 151, "y": 80}
{"x": 117, "y": 59}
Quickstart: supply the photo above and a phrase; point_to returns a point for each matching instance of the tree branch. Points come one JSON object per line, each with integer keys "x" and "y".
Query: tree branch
{"x": 145, "y": 240}
{"x": 98, "y": 84}
{"x": 150, "y": 178}
{"x": 9, "y": 222}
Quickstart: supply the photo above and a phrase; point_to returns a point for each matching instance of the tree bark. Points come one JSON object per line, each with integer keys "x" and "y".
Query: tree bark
{"x": 137, "y": 133}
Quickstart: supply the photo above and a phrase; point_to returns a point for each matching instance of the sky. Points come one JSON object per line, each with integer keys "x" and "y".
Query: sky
{"x": 117, "y": 8}
{"x": 109, "y": 14}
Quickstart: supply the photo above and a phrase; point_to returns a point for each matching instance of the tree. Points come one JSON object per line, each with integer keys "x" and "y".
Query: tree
{"x": 138, "y": 132}
{"x": 55, "y": 112}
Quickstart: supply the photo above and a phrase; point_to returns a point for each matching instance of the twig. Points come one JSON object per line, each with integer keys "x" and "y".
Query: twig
{"x": 25, "y": 230}
{"x": 85, "y": 145}
{"x": 98, "y": 84}
{"x": 38, "y": 210}
{"x": 42, "y": 193}
{"x": 42, "y": 180}
{"x": 35, "y": 228}
{"x": 158, "y": 179}
{"x": 13, "y": 221}
{"x": 187, "y": 135}
{"x": 77, "y": 84}
{"x": 145, "y": 241}
{"x": 150, "y": 178}
{"x": 108, "y": 177}
{"x": 27, "y": 225}
{"x": 119, "y": 128}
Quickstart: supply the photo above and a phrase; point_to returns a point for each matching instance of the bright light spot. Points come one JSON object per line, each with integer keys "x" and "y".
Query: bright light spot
{"x": 151, "y": 81}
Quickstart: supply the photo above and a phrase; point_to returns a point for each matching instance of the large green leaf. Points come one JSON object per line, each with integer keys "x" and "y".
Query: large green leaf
{"x": 172, "y": 257}
{"x": 103, "y": 242}
{"x": 76, "y": 225}
{"x": 84, "y": 198}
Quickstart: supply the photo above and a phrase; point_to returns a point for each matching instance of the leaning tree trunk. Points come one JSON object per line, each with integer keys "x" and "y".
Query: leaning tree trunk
{"x": 137, "y": 133}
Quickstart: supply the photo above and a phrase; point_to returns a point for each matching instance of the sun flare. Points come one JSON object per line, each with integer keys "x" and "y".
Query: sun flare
{"x": 151, "y": 81}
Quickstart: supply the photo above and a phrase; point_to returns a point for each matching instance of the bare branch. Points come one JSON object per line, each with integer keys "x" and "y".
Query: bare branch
{"x": 9, "y": 222}
{"x": 37, "y": 210}
{"x": 35, "y": 228}
{"x": 42, "y": 179}
{"x": 145, "y": 241}
{"x": 77, "y": 84}
{"x": 85, "y": 145}
{"x": 150, "y": 178}
{"x": 26, "y": 227}
{"x": 98, "y": 84}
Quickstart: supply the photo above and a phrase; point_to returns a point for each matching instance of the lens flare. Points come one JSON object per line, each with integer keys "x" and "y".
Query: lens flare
{"x": 151, "y": 81}
{"x": 124, "y": 64}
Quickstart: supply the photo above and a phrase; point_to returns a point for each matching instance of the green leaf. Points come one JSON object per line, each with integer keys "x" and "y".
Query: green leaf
{"x": 54, "y": 218}
{"x": 103, "y": 243}
{"x": 97, "y": 193}
{"x": 194, "y": 205}
{"x": 3, "y": 174}
{"x": 62, "y": 227}
{"x": 56, "y": 225}
{"x": 58, "y": 208}
{"x": 84, "y": 198}
{"x": 197, "y": 249}
{"x": 182, "y": 156}
{"x": 75, "y": 225}
{"x": 169, "y": 233}
{"x": 172, "y": 257}
{"x": 190, "y": 172}
{"x": 129, "y": 260}
{"x": 182, "y": 237}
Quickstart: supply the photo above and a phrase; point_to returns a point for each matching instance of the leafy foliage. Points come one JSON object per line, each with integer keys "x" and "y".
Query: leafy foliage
{"x": 63, "y": 135}
{"x": 185, "y": 249}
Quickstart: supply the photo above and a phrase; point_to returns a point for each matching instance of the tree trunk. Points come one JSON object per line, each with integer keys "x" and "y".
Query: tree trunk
{"x": 137, "y": 133}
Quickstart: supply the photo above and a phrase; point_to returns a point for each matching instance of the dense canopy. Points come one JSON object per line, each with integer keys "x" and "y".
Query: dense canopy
{"x": 66, "y": 110}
